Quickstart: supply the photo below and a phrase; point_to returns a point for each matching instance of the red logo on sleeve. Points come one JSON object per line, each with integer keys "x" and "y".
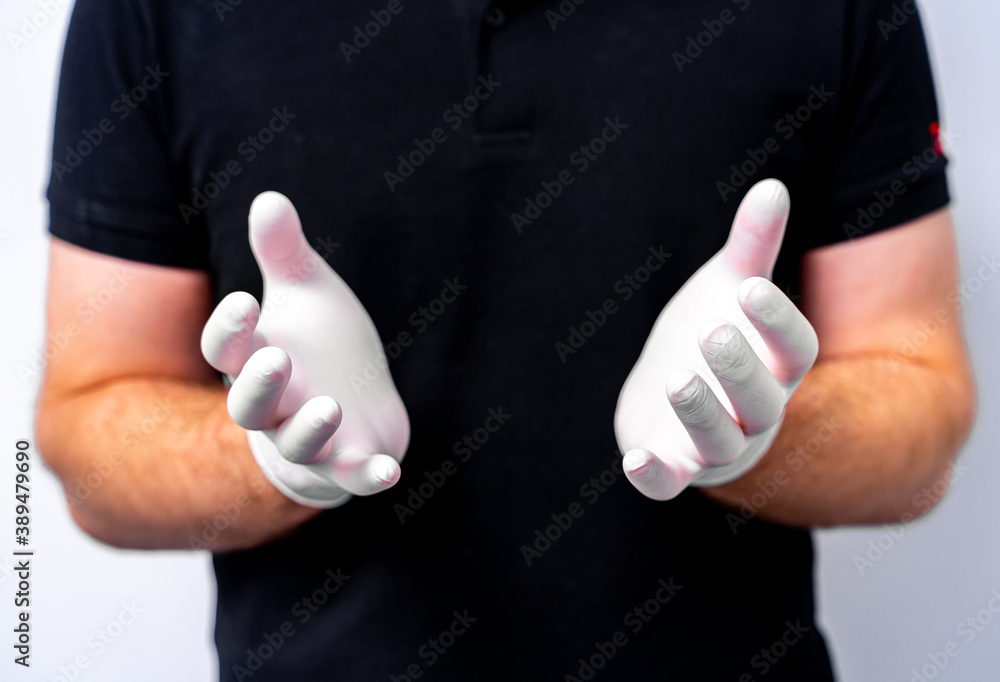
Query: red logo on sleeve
{"x": 935, "y": 131}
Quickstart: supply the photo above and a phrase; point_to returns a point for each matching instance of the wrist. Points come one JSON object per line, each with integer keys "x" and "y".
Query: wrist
{"x": 303, "y": 484}
{"x": 757, "y": 447}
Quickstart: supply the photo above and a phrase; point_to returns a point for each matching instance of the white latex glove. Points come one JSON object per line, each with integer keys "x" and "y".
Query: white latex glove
{"x": 318, "y": 438}
{"x": 698, "y": 409}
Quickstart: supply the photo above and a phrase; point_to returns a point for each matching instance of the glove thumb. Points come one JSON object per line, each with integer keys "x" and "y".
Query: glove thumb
{"x": 759, "y": 227}
{"x": 276, "y": 238}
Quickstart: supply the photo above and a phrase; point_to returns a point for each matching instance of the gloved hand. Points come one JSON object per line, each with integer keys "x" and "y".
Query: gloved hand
{"x": 320, "y": 428}
{"x": 707, "y": 396}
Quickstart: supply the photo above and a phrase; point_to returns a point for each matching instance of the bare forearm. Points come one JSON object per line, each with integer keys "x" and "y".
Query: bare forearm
{"x": 865, "y": 440}
{"x": 156, "y": 463}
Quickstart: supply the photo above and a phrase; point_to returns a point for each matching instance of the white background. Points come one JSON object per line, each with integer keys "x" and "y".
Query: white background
{"x": 883, "y": 620}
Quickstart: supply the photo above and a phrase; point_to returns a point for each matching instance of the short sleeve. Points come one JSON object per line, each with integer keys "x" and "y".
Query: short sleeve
{"x": 114, "y": 187}
{"x": 887, "y": 162}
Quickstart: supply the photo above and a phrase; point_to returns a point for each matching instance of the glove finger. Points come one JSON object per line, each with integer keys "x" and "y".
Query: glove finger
{"x": 716, "y": 435}
{"x": 758, "y": 229}
{"x": 790, "y": 338}
{"x": 362, "y": 474}
{"x": 304, "y": 438}
{"x": 255, "y": 393}
{"x": 655, "y": 477}
{"x": 227, "y": 336}
{"x": 276, "y": 238}
{"x": 757, "y": 398}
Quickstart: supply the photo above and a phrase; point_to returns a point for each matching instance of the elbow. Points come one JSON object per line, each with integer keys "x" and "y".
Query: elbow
{"x": 46, "y": 434}
{"x": 57, "y": 436}
{"x": 85, "y": 521}
{"x": 51, "y": 446}
{"x": 111, "y": 534}
{"x": 962, "y": 406}
{"x": 968, "y": 392}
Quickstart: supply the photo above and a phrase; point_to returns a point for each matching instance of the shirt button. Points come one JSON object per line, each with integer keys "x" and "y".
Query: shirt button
{"x": 495, "y": 17}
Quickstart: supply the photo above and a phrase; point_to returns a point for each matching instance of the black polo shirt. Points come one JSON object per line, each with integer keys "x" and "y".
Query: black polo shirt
{"x": 514, "y": 191}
